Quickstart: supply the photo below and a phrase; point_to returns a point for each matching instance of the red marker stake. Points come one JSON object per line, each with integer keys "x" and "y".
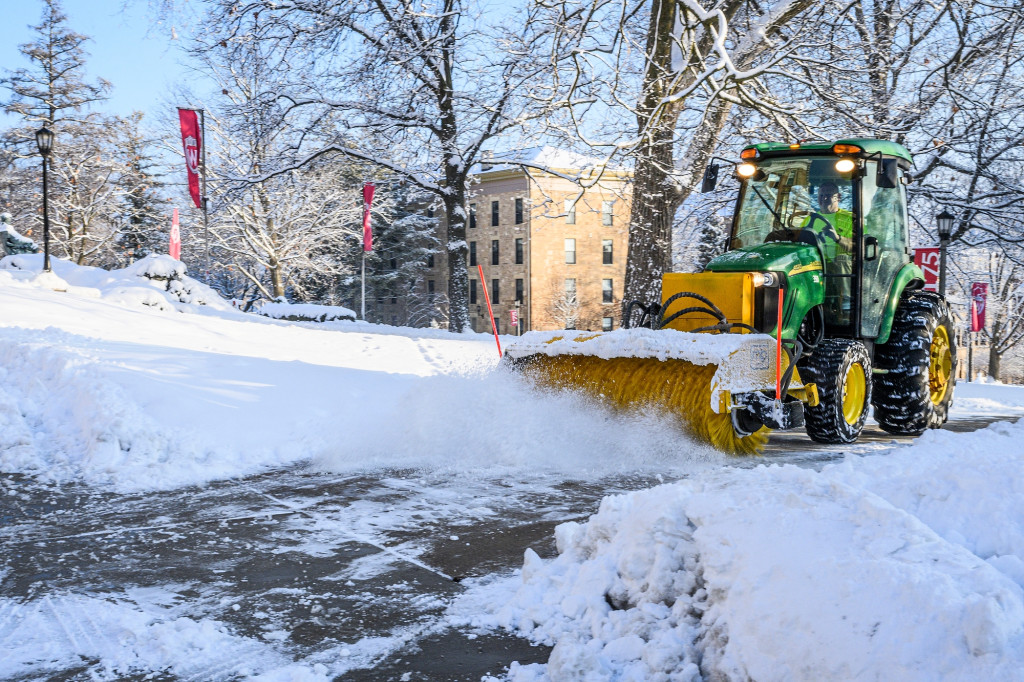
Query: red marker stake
{"x": 778, "y": 352}
{"x": 490, "y": 312}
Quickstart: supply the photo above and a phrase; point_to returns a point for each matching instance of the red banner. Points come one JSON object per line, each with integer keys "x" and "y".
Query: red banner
{"x": 979, "y": 296}
{"x": 928, "y": 260}
{"x": 174, "y": 247}
{"x": 368, "y": 189}
{"x": 192, "y": 141}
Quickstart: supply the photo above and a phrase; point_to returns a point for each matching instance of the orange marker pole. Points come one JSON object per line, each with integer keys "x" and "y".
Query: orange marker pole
{"x": 490, "y": 312}
{"x": 778, "y": 352}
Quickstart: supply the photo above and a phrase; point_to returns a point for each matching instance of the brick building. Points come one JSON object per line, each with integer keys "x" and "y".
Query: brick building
{"x": 551, "y": 251}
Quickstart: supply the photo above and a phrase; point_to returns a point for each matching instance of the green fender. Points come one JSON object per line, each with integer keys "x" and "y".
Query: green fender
{"x": 908, "y": 274}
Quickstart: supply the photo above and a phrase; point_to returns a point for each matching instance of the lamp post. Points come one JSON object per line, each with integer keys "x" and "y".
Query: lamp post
{"x": 44, "y": 140}
{"x": 945, "y": 223}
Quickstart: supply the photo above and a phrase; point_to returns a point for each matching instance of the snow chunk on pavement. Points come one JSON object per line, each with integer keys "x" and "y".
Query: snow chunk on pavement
{"x": 866, "y": 570}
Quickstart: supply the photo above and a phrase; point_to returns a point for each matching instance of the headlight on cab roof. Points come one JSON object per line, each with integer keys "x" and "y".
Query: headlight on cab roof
{"x": 746, "y": 170}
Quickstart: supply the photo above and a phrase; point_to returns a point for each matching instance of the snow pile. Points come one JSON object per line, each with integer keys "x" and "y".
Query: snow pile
{"x": 907, "y": 566}
{"x": 311, "y": 312}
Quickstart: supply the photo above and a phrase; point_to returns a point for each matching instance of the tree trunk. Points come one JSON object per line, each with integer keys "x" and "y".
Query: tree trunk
{"x": 655, "y": 199}
{"x": 458, "y": 255}
{"x": 655, "y": 196}
{"x": 455, "y": 181}
{"x": 994, "y": 359}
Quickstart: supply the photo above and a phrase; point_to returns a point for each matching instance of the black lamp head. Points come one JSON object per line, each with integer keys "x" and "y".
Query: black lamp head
{"x": 44, "y": 140}
{"x": 945, "y": 223}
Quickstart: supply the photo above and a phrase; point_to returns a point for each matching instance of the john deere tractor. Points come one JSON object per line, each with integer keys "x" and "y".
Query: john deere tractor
{"x": 816, "y": 310}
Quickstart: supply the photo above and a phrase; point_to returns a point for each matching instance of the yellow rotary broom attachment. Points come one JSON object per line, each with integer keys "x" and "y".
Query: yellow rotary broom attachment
{"x": 691, "y": 376}
{"x": 675, "y": 386}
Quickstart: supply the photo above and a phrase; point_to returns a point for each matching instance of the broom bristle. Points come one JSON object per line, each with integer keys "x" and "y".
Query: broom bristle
{"x": 675, "y": 386}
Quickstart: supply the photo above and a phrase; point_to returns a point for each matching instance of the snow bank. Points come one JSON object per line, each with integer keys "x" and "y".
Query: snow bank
{"x": 139, "y": 397}
{"x": 906, "y": 566}
{"x": 976, "y": 399}
{"x": 157, "y": 281}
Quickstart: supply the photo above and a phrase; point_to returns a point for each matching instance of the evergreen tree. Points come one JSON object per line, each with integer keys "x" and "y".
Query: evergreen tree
{"x": 144, "y": 209}
{"x": 53, "y": 90}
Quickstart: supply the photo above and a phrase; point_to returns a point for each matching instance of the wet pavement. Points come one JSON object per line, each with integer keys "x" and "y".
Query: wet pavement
{"x": 323, "y": 567}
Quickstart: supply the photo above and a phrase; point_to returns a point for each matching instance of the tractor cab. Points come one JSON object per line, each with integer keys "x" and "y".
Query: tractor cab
{"x": 846, "y": 200}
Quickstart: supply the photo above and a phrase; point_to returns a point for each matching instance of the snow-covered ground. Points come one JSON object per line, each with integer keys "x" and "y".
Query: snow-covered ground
{"x": 907, "y": 564}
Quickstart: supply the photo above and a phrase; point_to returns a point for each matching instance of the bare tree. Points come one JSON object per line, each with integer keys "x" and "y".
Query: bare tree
{"x": 1004, "y": 323}
{"x": 569, "y": 308}
{"x": 417, "y": 89}
{"x": 693, "y": 61}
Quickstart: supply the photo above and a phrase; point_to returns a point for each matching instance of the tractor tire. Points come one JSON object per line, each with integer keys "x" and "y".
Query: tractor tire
{"x": 841, "y": 369}
{"x": 915, "y": 390}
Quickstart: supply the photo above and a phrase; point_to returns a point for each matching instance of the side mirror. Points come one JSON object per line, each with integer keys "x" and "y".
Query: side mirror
{"x": 887, "y": 175}
{"x": 710, "y": 179}
{"x": 870, "y": 248}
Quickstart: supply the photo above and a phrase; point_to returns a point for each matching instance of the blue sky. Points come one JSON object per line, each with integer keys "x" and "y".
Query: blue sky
{"x": 131, "y": 49}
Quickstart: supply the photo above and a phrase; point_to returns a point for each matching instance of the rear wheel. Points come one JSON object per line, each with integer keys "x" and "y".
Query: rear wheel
{"x": 919, "y": 361}
{"x": 841, "y": 369}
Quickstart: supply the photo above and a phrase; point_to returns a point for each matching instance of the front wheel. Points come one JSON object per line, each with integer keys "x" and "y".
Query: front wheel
{"x": 841, "y": 368}
{"x": 918, "y": 363}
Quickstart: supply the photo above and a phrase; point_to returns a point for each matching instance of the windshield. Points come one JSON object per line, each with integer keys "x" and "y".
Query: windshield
{"x": 783, "y": 196}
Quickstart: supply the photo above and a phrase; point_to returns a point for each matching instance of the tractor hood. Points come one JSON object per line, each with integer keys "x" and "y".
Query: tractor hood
{"x": 788, "y": 258}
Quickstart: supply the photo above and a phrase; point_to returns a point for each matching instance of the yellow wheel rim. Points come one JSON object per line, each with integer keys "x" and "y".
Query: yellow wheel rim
{"x": 940, "y": 365}
{"x": 854, "y": 389}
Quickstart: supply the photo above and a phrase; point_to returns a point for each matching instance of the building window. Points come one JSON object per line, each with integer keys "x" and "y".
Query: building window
{"x": 430, "y": 212}
{"x": 519, "y": 252}
{"x": 519, "y": 290}
{"x": 472, "y": 253}
{"x": 494, "y": 291}
{"x": 607, "y": 212}
{"x": 472, "y": 291}
{"x": 430, "y": 261}
{"x": 606, "y": 291}
{"x": 494, "y": 252}
{"x": 472, "y": 216}
{"x": 394, "y": 320}
{"x": 607, "y": 251}
{"x": 494, "y": 213}
{"x": 519, "y": 211}
{"x": 570, "y": 211}
{"x": 394, "y": 300}
{"x": 570, "y": 289}
{"x": 570, "y": 251}
{"x": 607, "y": 324}
{"x": 393, "y": 263}
{"x": 430, "y": 290}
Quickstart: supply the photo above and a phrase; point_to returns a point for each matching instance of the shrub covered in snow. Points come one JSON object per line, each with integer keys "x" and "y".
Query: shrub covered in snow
{"x": 305, "y": 312}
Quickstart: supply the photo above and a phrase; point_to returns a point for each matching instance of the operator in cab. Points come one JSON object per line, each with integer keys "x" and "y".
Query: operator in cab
{"x": 838, "y": 228}
{"x": 840, "y": 221}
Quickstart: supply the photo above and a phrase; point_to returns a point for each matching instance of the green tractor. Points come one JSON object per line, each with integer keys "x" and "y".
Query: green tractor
{"x": 827, "y": 223}
{"x": 818, "y": 258}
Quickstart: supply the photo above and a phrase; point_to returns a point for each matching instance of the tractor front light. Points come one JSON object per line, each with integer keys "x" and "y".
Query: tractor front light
{"x": 765, "y": 279}
{"x": 845, "y": 165}
{"x": 746, "y": 170}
